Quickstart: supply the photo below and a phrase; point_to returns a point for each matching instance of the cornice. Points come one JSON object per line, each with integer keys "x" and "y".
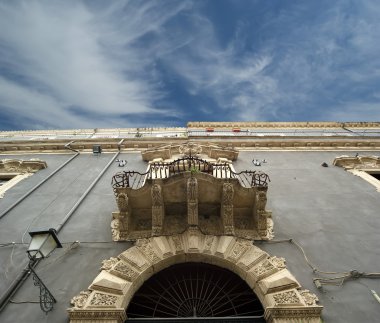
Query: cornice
{"x": 284, "y": 124}
{"x": 239, "y": 143}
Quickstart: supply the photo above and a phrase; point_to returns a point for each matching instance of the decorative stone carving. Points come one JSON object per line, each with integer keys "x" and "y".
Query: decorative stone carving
{"x": 124, "y": 271}
{"x": 261, "y": 215}
{"x": 290, "y": 297}
{"x": 251, "y": 257}
{"x": 122, "y": 202}
{"x": 101, "y": 315}
{"x": 157, "y": 210}
{"x": 115, "y": 230}
{"x": 21, "y": 166}
{"x": 80, "y": 300}
{"x": 156, "y": 195}
{"x": 227, "y": 208}
{"x": 309, "y": 298}
{"x": 268, "y": 267}
{"x": 192, "y": 201}
{"x": 103, "y": 300}
{"x": 107, "y": 264}
{"x": 261, "y": 198}
{"x": 357, "y": 162}
{"x": 16, "y": 170}
{"x": 278, "y": 262}
{"x": 208, "y": 243}
{"x": 239, "y": 248}
{"x": 361, "y": 166}
{"x": 190, "y": 149}
{"x": 134, "y": 257}
{"x": 228, "y": 194}
{"x": 177, "y": 244}
{"x": 237, "y": 255}
{"x": 147, "y": 249}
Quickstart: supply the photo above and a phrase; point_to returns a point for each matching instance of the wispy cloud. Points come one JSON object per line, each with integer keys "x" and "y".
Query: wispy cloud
{"x": 66, "y": 64}
{"x": 305, "y": 63}
{"x": 63, "y": 62}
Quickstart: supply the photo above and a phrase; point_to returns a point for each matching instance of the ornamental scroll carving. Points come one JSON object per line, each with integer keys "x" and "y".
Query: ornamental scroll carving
{"x": 309, "y": 298}
{"x": 80, "y": 300}
{"x": 108, "y": 263}
{"x": 192, "y": 201}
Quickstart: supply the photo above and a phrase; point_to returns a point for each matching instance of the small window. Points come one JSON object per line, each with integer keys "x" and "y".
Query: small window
{"x": 375, "y": 174}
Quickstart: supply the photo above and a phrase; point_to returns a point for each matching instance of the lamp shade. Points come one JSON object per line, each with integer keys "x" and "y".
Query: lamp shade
{"x": 43, "y": 243}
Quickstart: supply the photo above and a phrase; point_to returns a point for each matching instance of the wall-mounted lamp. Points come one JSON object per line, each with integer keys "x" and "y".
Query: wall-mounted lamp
{"x": 41, "y": 246}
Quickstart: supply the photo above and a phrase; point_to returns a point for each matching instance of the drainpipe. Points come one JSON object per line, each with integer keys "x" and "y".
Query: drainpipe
{"x": 40, "y": 183}
{"x": 76, "y": 205}
{"x": 24, "y": 274}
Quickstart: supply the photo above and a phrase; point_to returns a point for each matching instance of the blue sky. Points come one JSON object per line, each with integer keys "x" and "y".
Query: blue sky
{"x": 92, "y": 64}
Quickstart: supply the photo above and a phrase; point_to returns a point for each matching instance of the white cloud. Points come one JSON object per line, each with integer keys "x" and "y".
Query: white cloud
{"x": 304, "y": 64}
{"x": 86, "y": 63}
{"x": 62, "y": 56}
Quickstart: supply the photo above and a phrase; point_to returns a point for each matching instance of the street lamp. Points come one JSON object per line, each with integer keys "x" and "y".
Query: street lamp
{"x": 41, "y": 246}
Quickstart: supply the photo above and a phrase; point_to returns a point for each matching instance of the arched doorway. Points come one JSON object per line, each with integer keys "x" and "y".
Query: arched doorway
{"x": 121, "y": 279}
{"x": 196, "y": 290}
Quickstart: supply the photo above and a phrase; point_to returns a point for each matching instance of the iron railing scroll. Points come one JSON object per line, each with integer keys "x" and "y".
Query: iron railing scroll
{"x": 136, "y": 180}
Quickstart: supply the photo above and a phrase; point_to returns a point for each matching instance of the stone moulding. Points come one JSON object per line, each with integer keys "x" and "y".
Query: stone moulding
{"x": 361, "y": 166}
{"x": 279, "y": 292}
{"x": 21, "y": 166}
{"x": 16, "y": 170}
{"x": 189, "y": 149}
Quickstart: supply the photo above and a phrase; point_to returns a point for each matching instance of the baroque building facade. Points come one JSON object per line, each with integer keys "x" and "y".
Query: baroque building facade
{"x": 185, "y": 229}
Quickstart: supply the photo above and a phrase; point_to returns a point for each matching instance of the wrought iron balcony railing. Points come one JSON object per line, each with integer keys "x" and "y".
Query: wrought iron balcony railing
{"x": 136, "y": 180}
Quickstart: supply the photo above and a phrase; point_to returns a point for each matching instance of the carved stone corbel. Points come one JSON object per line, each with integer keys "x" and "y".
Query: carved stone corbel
{"x": 157, "y": 210}
{"x": 192, "y": 201}
{"x": 227, "y": 208}
{"x": 121, "y": 218}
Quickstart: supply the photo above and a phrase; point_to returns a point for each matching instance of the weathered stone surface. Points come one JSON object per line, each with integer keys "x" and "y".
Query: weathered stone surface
{"x": 272, "y": 283}
{"x": 109, "y": 283}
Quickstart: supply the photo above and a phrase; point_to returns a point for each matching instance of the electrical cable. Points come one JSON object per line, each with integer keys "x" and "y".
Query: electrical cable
{"x": 320, "y": 281}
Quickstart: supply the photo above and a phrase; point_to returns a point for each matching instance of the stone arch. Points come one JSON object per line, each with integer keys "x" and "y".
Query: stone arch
{"x": 111, "y": 291}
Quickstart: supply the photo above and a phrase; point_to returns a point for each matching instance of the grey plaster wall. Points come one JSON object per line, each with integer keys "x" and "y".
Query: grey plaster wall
{"x": 333, "y": 214}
